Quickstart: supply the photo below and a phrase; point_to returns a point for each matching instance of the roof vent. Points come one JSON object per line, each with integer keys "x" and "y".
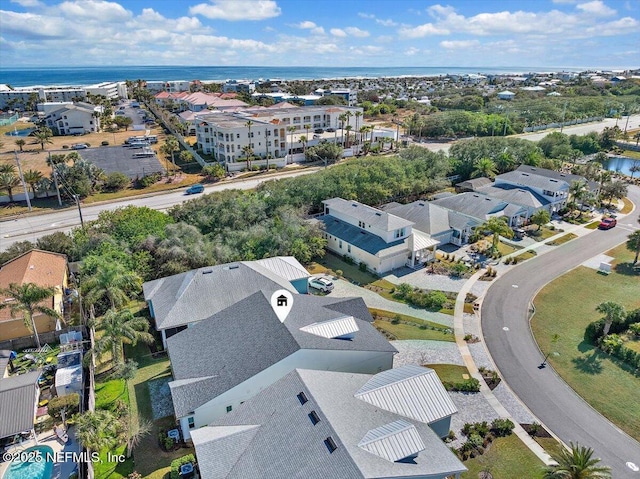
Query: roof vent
{"x": 525, "y": 174}
{"x": 314, "y": 418}
{"x": 331, "y": 444}
{"x": 553, "y": 181}
{"x": 302, "y": 397}
{"x": 208, "y": 271}
{"x": 378, "y": 214}
{"x": 420, "y": 204}
{"x": 231, "y": 266}
{"x": 354, "y": 205}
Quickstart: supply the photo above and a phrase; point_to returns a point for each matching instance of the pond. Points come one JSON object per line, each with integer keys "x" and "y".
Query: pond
{"x": 622, "y": 164}
{"x": 24, "y": 132}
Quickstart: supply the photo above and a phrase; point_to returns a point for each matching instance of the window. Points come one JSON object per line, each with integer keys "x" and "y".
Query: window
{"x": 313, "y": 416}
{"x": 331, "y": 444}
{"x": 191, "y": 422}
{"x": 238, "y": 135}
{"x": 340, "y": 244}
{"x": 229, "y": 408}
{"x": 302, "y": 397}
{"x": 400, "y": 233}
{"x": 361, "y": 224}
{"x": 348, "y": 248}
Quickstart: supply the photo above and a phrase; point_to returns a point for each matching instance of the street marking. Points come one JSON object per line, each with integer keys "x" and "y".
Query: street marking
{"x": 633, "y": 467}
{"x": 505, "y": 329}
{"x": 514, "y": 285}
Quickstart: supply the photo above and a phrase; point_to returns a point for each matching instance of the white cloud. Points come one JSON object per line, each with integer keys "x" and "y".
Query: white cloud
{"x": 28, "y": 3}
{"x": 411, "y": 51}
{"x": 308, "y": 25}
{"x": 102, "y": 11}
{"x": 596, "y": 7}
{"x": 356, "y": 32}
{"x": 459, "y": 44}
{"x": 420, "y": 31}
{"x": 386, "y": 23}
{"x": 338, "y": 32}
{"x": 236, "y": 10}
{"x": 366, "y": 15}
{"x": 31, "y": 25}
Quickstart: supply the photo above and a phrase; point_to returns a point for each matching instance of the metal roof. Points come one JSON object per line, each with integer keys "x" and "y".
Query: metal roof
{"x": 411, "y": 391}
{"x": 334, "y": 328}
{"x": 423, "y": 241}
{"x": 372, "y": 216}
{"x": 394, "y": 441}
{"x": 286, "y": 267}
{"x": 17, "y": 403}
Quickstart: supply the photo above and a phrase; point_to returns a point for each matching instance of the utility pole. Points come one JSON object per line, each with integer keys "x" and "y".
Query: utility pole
{"x": 55, "y": 180}
{"x": 77, "y": 198}
{"x": 24, "y": 185}
{"x": 564, "y": 112}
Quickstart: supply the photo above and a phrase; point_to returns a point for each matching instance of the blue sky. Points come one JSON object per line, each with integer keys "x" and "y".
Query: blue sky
{"x": 551, "y": 33}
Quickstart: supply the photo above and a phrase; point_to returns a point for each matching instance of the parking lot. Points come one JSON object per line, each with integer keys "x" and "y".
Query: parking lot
{"x": 122, "y": 158}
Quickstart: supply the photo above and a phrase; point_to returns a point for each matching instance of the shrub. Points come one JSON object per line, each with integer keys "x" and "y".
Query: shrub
{"x": 347, "y": 259}
{"x": 468, "y": 337}
{"x": 176, "y": 463}
{"x": 475, "y": 440}
{"x": 362, "y": 266}
{"x": 339, "y": 272}
{"x": 594, "y": 330}
{"x": 396, "y": 319}
{"x": 635, "y": 329}
{"x": 213, "y": 172}
{"x": 116, "y": 181}
{"x": 436, "y": 299}
{"x": 149, "y": 180}
{"x": 502, "y": 427}
{"x": 71, "y": 404}
{"x": 65, "y": 147}
{"x": 471, "y": 385}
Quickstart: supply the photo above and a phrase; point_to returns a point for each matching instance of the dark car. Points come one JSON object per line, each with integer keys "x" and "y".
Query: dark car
{"x": 607, "y": 223}
{"x": 193, "y": 189}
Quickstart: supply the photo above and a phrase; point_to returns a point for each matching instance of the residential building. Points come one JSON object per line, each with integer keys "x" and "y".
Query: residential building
{"x": 506, "y": 95}
{"x": 20, "y": 98}
{"x": 349, "y": 96}
{"x": 265, "y": 131}
{"x": 439, "y": 223}
{"x": 480, "y": 208}
{"x": 177, "y": 301}
{"x": 19, "y": 397}
{"x": 44, "y": 269}
{"x": 320, "y": 424}
{"x": 380, "y": 240}
{"x": 75, "y": 119}
{"x": 238, "y": 86}
{"x": 232, "y": 355}
{"x": 111, "y": 90}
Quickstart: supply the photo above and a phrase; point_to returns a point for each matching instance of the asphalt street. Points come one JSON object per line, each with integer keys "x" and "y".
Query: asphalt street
{"x": 32, "y": 227}
{"x": 505, "y": 325}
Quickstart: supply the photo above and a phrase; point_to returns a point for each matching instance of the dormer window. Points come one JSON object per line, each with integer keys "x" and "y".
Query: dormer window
{"x": 400, "y": 233}
{"x": 302, "y": 397}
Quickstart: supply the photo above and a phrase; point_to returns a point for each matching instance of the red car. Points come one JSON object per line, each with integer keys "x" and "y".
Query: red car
{"x": 607, "y": 223}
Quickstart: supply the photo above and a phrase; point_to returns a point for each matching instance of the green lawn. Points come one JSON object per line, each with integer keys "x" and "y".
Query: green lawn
{"x": 562, "y": 240}
{"x": 449, "y": 372}
{"x": 543, "y": 233}
{"x": 628, "y": 206}
{"x": 506, "y": 249}
{"x": 409, "y": 331}
{"x": 332, "y": 263}
{"x": 593, "y": 226}
{"x": 507, "y": 458}
{"x": 565, "y": 307}
{"x": 526, "y": 255}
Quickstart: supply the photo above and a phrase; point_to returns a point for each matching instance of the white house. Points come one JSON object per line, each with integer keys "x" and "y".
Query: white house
{"x": 77, "y": 118}
{"x": 322, "y": 424}
{"x": 111, "y": 90}
{"x": 177, "y": 301}
{"x": 228, "y": 358}
{"x": 11, "y": 98}
{"x": 506, "y": 95}
{"x": 380, "y": 240}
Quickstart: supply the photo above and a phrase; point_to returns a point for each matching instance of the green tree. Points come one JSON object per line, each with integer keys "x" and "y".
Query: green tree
{"x": 33, "y": 177}
{"x": 170, "y": 147}
{"x": 578, "y": 463}
{"x": 484, "y": 167}
{"x": 120, "y": 327}
{"x": 116, "y": 181}
{"x": 97, "y": 430}
{"x": 540, "y": 218}
{"x": 123, "y": 122}
{"x": 214, "y": 171}
{"x": 499, "y": 227}
{"x": 633, "y": 244}
{"x": 8, "y": 168}
{"x": 9, "y": 181}
{"x": 613, "y": 313}
{"x": 43, "y": 136}
{"x": 57, "y": 242}
{"x": 28, "y": 299}
{"x": 20, "y": 142}
{"x": 577, "y": 191}
{"x": 616, "y": 189}
{"x": 110, "y": 281}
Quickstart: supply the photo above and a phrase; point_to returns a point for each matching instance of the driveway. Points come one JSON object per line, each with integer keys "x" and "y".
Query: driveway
{"x": 505, "y": 324}
{"x": 374, "y": 300}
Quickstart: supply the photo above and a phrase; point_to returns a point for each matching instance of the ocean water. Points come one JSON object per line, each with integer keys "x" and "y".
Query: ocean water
{"x": 69, "y": 76}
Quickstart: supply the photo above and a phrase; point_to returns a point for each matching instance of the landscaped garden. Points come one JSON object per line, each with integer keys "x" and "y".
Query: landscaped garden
{"x": 400, "y": 327}
{"x": 566, "y": 307}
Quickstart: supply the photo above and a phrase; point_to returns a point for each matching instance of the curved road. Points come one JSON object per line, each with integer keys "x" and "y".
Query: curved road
{"x": 517, "y": 356}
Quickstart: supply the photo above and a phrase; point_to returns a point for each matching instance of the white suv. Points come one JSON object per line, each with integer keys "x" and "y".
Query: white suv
{"x": 321, "y": 284}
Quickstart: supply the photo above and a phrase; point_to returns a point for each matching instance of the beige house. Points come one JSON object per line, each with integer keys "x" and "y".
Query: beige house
{"x": 44, "y": 269}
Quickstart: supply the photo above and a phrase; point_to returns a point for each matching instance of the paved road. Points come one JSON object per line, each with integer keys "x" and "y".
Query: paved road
{"x": 32, "y": 227}
{"x": 517, "y": 356}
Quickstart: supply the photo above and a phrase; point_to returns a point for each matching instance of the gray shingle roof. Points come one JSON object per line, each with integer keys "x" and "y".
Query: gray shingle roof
{"x": 475, "y": 205}
{"x": 237, "y": 343}
{"x": 428, "y": 218}
{"x": 197, "y": 294}
{"x": 474, "y": 183}
{"x": 220, "y": 448}
{"x": 514, "y": 194}
{"x": 359, "y": 238}
{"x": 17, "y": 403}
{"x": 371, "y": 216}
{"x": 288, "y": 444}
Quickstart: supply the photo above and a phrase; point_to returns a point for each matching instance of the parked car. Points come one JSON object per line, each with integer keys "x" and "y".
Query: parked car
{"x": 318, "y": 130}
{"x": 607, "y": 223}
{"x": 331, "y": 130}
{"x": 79, "y": 146}
{"x": 321, "y": 284}
{"x": 193, "y": 189}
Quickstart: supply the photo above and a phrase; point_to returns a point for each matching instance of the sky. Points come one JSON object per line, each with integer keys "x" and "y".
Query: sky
{"x": 551, "y": 33}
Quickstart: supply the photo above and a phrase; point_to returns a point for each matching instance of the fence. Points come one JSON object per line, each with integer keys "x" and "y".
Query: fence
{"x": 29, "y": 341}
{"x": 8, "y": 120}
{"x": 580, "y": 121}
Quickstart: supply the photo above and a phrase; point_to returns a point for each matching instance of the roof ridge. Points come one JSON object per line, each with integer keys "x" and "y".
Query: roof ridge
{"x": 383, "y": 386}
{"x": 402, "y": 424}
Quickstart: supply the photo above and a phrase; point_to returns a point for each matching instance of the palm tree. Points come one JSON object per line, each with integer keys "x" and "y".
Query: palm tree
{"x": 31, "y": 177}
{"x": 576, "y": 464}
{"x": 633, "y": 244}
{"x": 499, "y": 227}
{"x": 291, "y": 129}
{"x": 304, "y": 141}
{"x": 357, "y": 114}
{"x": 348, "y": 128}
{"x": 43, "y": 135}
{"x": 342, "y": 118}
{"x": 248, "y": 124}
{"x": 56, "y": 159}
{"x": 577, "y": 190}
{"x": 110, "y": 281}
{"x": 28, "y": 299}
{"x": 484, "y": 167}
{"x": 635, "y": 168}
{"x": 97, "y": 430}
{"x": 170, "y": 146}
{"x": 9, "y": 181}
{"x": 613, "y": 313}
{"x": 20, "y": 142}
{"x": 7, "y": 168}
{"x": 120, "y": 327}
{"x": 248, "y": 153}
{"x": 307, "y": 127}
